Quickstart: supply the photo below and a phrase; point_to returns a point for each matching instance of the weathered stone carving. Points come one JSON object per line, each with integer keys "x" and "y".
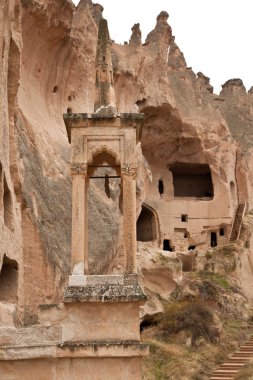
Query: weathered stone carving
{"x": 78, "y": 168}
{"x": 127, "y": 170}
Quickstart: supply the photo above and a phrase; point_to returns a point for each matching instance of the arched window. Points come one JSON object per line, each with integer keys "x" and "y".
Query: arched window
{"x": 147, "y": 225}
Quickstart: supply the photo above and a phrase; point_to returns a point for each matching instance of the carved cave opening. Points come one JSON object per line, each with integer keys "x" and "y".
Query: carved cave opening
{"x": 160, "y": 187}
{"x": 213, "y": 241}
{"x": 192, "y": 180}
{"x": 167, "y": 245}
{"x": 184, "y": 218}
{"x": 9, "y": 280}
{"x": 222, "y": 232}
{"x": 146, "y": 225}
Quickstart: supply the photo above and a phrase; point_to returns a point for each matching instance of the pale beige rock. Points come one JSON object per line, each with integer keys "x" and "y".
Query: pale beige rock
{"x": 187, "y": 109}
{"x": 160, "y": 271}
{"x": 47, "y": 67}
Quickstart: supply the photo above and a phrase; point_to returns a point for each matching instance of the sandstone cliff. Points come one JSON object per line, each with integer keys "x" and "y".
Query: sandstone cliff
{"x": 47, "y": 60}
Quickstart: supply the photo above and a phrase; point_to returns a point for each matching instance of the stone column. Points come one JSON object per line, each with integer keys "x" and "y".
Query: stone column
{"x": 79, "y": 245}
{"x": 129, "y": 218}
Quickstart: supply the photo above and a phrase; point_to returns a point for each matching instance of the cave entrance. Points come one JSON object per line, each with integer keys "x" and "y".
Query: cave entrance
{"x": 167, "y": 245}
{"x": 192, "y": 180}
{"x": 147, "y": 225}
{"x": 9, "y": 280}
{"x": 213, "y": 239}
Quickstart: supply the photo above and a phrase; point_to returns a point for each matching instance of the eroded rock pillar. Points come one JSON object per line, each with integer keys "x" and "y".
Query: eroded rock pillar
{"x": 129, "y": 218}
{"x": 79, "y": 246}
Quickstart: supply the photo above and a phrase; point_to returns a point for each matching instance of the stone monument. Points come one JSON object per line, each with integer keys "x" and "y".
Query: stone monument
{"x": 95, "y": 332}
{"x": 105, "y": 139}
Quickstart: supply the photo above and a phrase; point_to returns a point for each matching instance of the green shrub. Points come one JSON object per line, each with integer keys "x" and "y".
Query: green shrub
{"x": 196, "y": 318}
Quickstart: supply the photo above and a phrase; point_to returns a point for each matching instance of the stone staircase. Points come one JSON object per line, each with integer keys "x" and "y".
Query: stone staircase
{"x": 228, "y": 370}
{"x": 237, "y": 222}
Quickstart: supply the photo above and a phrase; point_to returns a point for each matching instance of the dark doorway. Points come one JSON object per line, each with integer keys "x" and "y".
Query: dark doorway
{"x": 213, "y": 239}
{"x": 8, "y": 280}
{"x": 161, "y": 187}
{"x": 166, "y": 245}
{"x": 184, "y": 218}
{"x": 222, "y": 232}
{"x": 146, "y": 225}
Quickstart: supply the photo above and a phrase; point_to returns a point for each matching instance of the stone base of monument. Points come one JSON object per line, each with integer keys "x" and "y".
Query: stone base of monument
{"x": 94, "y": 334}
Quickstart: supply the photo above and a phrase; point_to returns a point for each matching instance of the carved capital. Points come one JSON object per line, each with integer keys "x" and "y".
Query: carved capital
{"x": 129, "y": 269}
{"x": 128, "y": 170}
{"x": 78, "y": 168}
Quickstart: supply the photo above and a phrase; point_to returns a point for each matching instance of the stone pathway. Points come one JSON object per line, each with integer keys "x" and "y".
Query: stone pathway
{"x": 228, "y": 370}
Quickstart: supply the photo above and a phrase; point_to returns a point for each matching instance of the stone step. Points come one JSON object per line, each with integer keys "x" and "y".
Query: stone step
{"x": 246, "y": 350}
{"x": 230, "y": 368}
{"x": 249, "y": 352}
{"x": 225, "y": 371}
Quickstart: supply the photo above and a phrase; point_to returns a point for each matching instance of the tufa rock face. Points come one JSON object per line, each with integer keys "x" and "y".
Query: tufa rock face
{"x": 205, "y": 81}
{"x": 48, "y": 56}
{"x": 176, "y": 58}
{"x": 136, "y": 35}
{"x": 237, "y": 82}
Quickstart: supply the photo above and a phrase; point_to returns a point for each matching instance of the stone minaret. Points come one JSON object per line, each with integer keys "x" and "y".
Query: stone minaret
{"x": 104, "y": 90}
{"x": 104, "y": 309}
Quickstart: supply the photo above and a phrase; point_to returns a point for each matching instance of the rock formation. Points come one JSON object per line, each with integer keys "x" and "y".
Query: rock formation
{"x": 194, "y": 171}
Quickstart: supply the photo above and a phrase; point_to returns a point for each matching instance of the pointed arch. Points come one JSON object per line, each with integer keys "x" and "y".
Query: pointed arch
{"x": 103, "y": 155}
{"x": 148, "y": 228}
{"x": 103, "y": 149}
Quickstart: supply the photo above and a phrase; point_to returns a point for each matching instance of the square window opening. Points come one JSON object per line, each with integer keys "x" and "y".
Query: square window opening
{"x": 184, "y": 218}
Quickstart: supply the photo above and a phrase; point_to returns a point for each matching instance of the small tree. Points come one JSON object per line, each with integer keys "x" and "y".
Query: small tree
{"x": 194, "y": 317}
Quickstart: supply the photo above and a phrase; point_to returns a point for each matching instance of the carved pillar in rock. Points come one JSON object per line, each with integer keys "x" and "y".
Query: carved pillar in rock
{"x": 79, "y": 246}
{"x": 129, "y": 217}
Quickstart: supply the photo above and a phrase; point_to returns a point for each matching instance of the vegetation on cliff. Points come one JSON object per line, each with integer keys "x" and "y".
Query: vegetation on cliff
{"x": 205, "y": 319}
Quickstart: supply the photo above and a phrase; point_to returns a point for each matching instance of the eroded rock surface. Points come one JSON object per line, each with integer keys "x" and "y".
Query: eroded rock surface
{"x": 47, "y": 59}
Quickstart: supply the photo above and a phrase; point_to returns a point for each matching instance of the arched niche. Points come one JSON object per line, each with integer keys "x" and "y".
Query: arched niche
{"x": 104, "y": 169}
{"x": 103, "y": 157}
{"x": 148, "y": 225}
{"x": 104, "y": 204}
